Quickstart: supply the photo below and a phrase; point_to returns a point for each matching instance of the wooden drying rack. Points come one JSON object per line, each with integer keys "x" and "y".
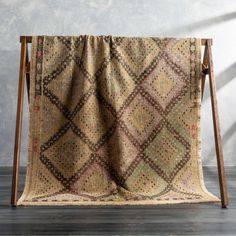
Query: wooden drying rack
{"x": 207, "y": 69}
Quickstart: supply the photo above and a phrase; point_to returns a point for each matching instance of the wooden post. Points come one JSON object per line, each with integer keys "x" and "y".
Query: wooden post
{"x": 27, "y": 72}
{"x": 204, "y": 69}
{"x": 20, "y": 101}
{"x": 216, "y": 124}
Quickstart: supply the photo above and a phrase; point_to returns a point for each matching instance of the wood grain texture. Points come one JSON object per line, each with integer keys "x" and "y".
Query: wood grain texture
{"x": 18, "y": 128}
{"x": 217, "y": 135}
{"x": 185, "y": 219}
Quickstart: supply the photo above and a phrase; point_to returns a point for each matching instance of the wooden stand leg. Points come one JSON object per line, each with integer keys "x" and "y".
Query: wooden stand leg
{"x": 204, "y": 70}
{"x": 27, "y": 72}
{"x": 20, "y": 101}
{"x": 218, "y": 144}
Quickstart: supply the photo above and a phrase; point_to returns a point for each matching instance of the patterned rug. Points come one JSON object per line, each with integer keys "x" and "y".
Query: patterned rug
{"x": 114, "y": 120}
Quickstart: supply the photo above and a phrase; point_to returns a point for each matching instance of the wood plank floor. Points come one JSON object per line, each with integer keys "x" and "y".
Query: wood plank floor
{"x": 185, "y": 219}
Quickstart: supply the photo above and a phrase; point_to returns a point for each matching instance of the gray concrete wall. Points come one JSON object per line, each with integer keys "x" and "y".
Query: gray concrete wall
{"x": 212, "y": 18}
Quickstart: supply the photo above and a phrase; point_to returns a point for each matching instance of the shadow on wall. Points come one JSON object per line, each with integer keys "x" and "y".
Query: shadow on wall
{"x": 228, "y": 134}
{"x": 203, "y": 23}
{"x": 229, "y": 73}
{"x": 222, "y": 79}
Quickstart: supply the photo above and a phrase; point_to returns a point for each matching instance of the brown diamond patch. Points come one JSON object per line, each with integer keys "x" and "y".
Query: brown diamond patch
{"x": 141, "y": 118}
{"x": 166, "y": 151}
{"x": 115, "y": 84}
{"x": 164, "y": 84}
{"x": 138, "y": 53}
{"x": 86, "y": 119}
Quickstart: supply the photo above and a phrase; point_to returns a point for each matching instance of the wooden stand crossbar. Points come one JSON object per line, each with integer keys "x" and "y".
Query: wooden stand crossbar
{"x": 207, "y": 69}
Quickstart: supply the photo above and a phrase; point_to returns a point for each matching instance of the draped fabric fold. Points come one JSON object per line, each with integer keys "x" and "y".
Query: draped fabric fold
{"x": 114, "y": 120}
